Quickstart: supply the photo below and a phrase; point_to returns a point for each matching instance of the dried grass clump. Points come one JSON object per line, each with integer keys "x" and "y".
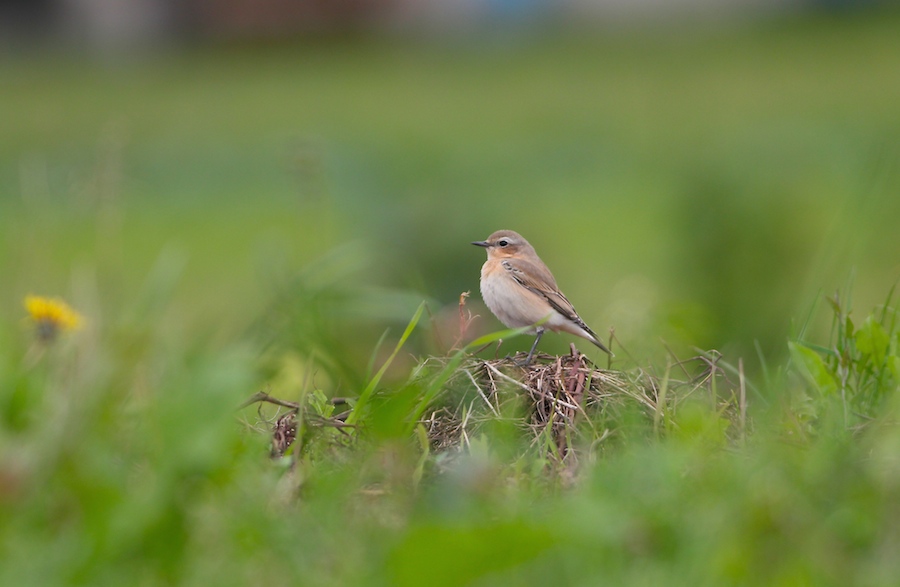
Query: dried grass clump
{"x": 284, "y": 432}
{"x": 565, "y": 406}
{"x": 569, "y": 405}
{"x": 283, "y": 426}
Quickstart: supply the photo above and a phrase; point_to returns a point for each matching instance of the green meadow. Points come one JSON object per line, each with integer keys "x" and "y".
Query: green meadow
{"x": 295, "y": 218}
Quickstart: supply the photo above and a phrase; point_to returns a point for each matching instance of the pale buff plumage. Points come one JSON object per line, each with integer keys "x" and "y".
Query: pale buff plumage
{"x": 520, "y": 290}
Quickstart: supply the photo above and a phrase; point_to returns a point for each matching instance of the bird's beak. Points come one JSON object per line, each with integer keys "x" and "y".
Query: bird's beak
{"x": 481, "y": 244}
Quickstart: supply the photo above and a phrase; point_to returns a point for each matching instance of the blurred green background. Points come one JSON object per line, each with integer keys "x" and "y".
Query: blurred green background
{"x": 703, "y": 185}
{"x": 235, "y": 215}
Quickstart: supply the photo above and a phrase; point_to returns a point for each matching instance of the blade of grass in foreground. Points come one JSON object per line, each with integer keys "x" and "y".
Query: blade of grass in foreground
{"x": 370, "y": 388}
{"x": 437, "y": 383}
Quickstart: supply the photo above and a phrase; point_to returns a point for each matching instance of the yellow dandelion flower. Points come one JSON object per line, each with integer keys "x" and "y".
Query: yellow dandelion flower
{"x": 51, "y": 316}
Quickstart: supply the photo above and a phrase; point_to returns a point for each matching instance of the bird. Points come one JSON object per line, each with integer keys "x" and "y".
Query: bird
{"x": 520, "y": 291}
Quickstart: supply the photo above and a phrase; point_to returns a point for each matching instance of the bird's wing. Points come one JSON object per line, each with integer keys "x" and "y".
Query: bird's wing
{"x": 537, "y": 279}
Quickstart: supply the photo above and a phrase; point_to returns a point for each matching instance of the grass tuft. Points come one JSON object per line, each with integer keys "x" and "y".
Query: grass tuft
{"x": 561, "y": 410}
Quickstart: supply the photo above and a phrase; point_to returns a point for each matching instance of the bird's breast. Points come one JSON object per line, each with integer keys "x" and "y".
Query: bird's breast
{"x": 510, "y": 302}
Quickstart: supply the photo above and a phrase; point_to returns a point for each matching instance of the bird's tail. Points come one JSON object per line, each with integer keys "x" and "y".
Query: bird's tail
{"x": 584, "y": 331}
{"x": 602, "y": 346}
{"x": 579, "y": 328}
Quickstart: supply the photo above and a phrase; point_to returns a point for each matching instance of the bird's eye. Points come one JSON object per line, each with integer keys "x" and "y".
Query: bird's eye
{"x": 503, "y": 243}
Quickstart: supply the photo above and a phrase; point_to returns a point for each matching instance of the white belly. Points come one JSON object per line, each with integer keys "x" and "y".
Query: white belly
{"x": 512, "y": 304}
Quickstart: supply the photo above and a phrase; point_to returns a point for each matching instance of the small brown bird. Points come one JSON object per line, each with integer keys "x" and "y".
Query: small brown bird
{"x": 519, "y": 289}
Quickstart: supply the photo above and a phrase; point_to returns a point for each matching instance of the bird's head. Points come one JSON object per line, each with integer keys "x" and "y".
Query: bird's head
{"x": 506, "y": 243}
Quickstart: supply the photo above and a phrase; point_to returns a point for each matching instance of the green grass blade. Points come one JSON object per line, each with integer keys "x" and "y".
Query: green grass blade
{"x": 437, "y": 383}
{"x": 370, "y": 388}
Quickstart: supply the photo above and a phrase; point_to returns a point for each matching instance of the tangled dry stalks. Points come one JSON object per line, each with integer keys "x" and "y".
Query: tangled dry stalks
{"x": 569, "y": 405}
{"x": 566, "y": 404}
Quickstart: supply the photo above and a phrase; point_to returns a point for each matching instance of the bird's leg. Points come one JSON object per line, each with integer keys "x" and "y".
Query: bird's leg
{"x": 537, "y": 339}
